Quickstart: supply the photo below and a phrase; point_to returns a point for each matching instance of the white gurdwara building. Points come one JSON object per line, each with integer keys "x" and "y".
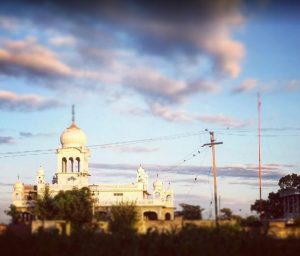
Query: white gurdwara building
{"x": 72, "y": 171}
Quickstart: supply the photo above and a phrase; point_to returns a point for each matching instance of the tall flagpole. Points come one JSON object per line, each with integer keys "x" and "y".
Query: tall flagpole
{"x": 259, "y": 143}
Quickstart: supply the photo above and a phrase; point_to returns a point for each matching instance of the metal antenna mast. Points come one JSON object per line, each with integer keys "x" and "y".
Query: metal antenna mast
{"x": 212, "y": 145}
{"x": 259, "y": 143}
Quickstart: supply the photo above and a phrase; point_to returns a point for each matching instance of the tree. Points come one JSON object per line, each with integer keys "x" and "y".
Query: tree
{"x": 272, "y": 208}
{"x": 191, "y": 212}
{"x": 226, "y": 214}
{"x": 123, "y": 218}
{"x": 72, "y": 205}
{"x": 290, "y": 181}
{"x": 44, "y": 207}
{"x": 13, "y": 213}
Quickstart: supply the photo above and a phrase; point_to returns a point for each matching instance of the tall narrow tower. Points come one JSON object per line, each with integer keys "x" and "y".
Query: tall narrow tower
{"x": 72, "y": 158}
{"x": 259, "y": 144}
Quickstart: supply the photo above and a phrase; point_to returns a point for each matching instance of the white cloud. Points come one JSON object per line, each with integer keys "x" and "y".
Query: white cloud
{"x": 27, "y": 56}
{"x": 246, "y": 85}
{"x": 11, "y": 101}
{"x": 181, "y": 116}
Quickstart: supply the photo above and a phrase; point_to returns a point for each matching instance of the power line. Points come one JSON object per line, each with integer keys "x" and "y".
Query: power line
{"x": 95, "y": 146}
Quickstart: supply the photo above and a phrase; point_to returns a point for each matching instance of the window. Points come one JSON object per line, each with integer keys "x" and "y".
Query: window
{"x": 71, "y": 167}
{"x": 118, "y": 194}
{"x": 77, "y": 164}
{"x": 64, "y": 165}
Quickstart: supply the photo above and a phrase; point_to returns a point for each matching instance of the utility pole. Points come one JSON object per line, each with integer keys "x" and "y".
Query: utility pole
{"x": 219, "y": 204}
{"x": 212, "y": 145}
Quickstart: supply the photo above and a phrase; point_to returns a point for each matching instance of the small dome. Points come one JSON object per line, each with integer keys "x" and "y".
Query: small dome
{"x": 72, "y": 137}
{"x": 18, "y": 185}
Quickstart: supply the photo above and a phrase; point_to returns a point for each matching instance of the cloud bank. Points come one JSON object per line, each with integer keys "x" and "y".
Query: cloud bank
{"x": 134, "y": 46}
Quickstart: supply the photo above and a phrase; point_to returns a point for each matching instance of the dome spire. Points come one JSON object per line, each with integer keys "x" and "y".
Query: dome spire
{"x": 73, "y": 114}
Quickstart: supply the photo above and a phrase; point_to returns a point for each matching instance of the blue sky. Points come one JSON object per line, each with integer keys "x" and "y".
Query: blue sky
{"x": 136, "y": 71}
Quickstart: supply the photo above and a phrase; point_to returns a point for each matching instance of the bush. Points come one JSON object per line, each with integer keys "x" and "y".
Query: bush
{"x": 191, "y": 212}
{"x": 123, "y": 218}
{"x": 251, "y": 221}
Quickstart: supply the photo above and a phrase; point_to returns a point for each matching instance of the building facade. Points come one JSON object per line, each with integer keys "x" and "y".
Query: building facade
{"x": 291, "y": 203}
{"x": 72, "y": 171}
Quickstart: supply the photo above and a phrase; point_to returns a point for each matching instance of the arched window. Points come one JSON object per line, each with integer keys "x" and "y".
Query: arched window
{"x": 150, "y": 215}
{"x": 77, "y": 164}
{"x": 71, "y": 166}
{"x": 167, "y": 216}
{"x": 64, "y": 165}
{"x": 168, "y": 198}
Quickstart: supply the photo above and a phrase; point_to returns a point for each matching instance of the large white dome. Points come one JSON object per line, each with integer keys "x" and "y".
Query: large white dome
{"x": 73, "y": 137}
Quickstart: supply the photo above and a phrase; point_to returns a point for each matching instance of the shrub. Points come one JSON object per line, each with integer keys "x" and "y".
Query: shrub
{"x": 123, "y": 218}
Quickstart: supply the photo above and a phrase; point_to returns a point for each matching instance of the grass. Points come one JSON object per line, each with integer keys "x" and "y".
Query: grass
{"x": 189, "y": 241}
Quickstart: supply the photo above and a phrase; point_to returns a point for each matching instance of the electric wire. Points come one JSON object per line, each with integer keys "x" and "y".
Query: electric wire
{"x": 106, "y": 145}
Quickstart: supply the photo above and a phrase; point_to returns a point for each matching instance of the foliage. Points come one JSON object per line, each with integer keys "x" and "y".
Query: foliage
{"x": 271, "y": 208}
{"x": 251, "y": 221}
{"x": 226, "y": 214}
{"x": 123, "y": 218}
{"x": 290, "y": 181}
{"x": 191, "y": 212}
{"x": 188, "y": 241}
{"x": 101, "y": 216}
{"x": 73, "y": 205}
{"x": 44, "y": 207}
{"x": 13, "y": 213}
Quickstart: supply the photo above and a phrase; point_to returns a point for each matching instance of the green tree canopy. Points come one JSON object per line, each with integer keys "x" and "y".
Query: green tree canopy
{"x": 72, "y": 205}
{"x": 44, "y": 207}
{"x": 290, "y": 181}
{"x": 191, "y": 212}
{"x": 123, "y": 218}
{"x": 226, "y": 213}
{"x": 13, "y": 213}
{"x": 272, "y": 208}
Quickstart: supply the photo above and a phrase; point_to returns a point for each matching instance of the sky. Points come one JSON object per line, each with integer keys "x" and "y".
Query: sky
{"x": 149, "y": 79}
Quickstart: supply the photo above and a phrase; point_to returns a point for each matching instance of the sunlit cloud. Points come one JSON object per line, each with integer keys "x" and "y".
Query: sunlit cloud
{"x": 245, "y": 86}
{"x": 10, "y": 101}
{"x": 181, "y": 116}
